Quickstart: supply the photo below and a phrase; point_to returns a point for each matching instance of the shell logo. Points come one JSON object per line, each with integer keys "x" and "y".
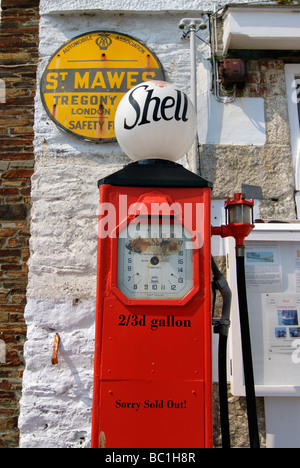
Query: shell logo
{"x": 155, "y": 120}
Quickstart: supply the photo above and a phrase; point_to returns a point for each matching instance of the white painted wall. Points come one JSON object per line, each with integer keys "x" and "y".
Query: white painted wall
{"x": 218, "y": 123}
{"x": 56, "y": 401}
{"x": 127, "y": 5}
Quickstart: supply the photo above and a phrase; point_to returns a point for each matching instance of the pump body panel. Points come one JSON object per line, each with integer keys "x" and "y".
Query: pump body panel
{"x": 153, "y": 376}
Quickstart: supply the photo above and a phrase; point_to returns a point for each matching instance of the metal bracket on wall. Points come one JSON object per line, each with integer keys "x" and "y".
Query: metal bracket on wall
{"x": 227, "y": 96}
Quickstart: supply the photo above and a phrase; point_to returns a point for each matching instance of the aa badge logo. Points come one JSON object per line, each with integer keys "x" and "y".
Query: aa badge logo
{"x": 103, "y": 41}
{"x": 87, "y": 77}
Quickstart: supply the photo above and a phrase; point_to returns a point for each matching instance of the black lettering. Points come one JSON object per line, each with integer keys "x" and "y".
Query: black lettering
{"x": 159, "y": 106}
{"x": 164, "y": 106}
{"x": 185, "y": 108}
{"x": 154, "y": 325}
{"x": 146, "y": 108}
{"x": 122, "y": 319}
{"x": 136, "y": 107}
{"x": 178, "y": 105}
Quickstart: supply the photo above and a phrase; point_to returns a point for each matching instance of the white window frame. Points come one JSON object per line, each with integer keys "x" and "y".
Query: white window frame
{"x": 292, "y": 71}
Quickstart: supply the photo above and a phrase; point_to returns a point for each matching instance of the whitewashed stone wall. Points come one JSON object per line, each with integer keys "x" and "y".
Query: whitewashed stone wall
{"x": 56, "y": 401}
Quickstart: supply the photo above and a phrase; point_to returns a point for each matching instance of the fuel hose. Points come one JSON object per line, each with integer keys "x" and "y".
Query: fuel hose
{"x": 221, "y": 327}
{"x": 246, "y": 348}
{"x": 223, "y": 393}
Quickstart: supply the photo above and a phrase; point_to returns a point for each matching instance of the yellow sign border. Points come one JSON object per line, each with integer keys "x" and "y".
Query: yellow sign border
{"x": 82, "y": 101}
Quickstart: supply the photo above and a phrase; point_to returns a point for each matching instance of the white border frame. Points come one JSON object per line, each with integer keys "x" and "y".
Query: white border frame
{"x": 267, "y": 233}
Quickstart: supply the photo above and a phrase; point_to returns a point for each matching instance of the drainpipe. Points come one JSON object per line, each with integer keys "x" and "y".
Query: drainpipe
{"x": 192, "y": 24}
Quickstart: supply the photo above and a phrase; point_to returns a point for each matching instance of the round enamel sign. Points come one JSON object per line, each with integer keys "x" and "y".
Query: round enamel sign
{"x": 87, "y": 77}
{"x": 155, "y": 120}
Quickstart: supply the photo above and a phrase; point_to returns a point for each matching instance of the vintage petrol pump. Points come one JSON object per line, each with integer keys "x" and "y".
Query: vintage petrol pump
{"x": 153, "y": 362}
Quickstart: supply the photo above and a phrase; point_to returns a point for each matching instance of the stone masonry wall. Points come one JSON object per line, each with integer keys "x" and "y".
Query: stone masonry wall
{"x": 18, "y": 59}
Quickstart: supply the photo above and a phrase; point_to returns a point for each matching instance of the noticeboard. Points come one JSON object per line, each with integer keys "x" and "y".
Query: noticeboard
{"x": 87, "y": 77}
{"x": 272, "y": 268}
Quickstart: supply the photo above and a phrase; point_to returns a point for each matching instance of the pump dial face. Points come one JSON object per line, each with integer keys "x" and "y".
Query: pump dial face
{"x": 156, "y": 262}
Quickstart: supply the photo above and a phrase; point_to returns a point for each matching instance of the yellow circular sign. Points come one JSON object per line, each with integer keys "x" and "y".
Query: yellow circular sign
{"x": 87, "y": 77}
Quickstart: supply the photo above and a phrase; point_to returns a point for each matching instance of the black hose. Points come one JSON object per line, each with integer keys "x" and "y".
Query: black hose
{"x": 223, "y": 393}
{"x": 246, "y": 349}
{"x": 221, "y": 326}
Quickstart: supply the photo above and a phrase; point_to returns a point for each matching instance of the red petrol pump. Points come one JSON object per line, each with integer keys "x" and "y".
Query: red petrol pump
{"x": 153, "y": 380}
{"x": 153, "y": 359}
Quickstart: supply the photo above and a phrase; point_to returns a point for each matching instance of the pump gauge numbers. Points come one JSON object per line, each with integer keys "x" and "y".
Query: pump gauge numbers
{"x": 156, "y": 263}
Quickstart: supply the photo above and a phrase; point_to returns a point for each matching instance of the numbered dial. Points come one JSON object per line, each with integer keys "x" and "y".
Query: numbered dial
{"x": 156, "y": 263}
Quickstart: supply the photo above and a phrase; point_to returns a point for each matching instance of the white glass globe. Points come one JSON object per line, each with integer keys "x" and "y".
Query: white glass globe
{"x": 155, "y": 120}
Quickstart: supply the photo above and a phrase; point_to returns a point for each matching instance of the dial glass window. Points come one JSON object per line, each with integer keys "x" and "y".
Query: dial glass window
{"x": 155, "y": 261}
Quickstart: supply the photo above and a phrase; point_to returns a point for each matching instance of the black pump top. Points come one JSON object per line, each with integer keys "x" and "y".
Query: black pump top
{"x": 155, "y": 173}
